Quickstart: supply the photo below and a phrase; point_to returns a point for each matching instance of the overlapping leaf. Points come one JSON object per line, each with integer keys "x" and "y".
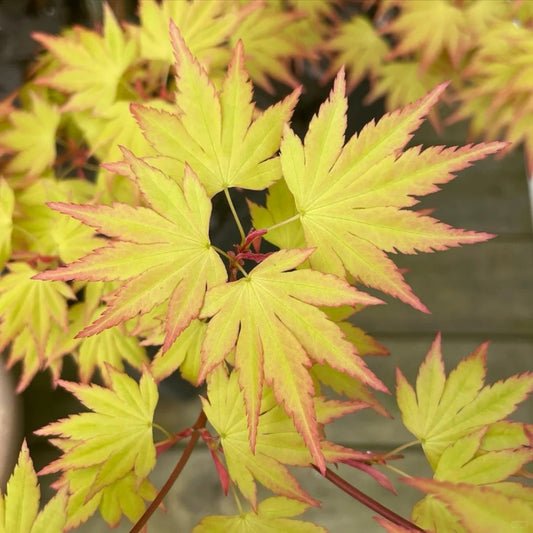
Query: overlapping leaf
{"x": 273, "y": 515}
{"x": 116, "y": 437}
{"x": 214, "y": 131}
{"x": 32, "y": 137}
{"x": 277, "y": 443}
{"x": 270, "y": 318}
{"x": 19, "y": 507}
{"x": 91, "y": 66}
{"x": 442, "y": 410}
{"x": 350, "y": 198}
{"x": 7, "y": 203}
{"x": 174, "y": 261}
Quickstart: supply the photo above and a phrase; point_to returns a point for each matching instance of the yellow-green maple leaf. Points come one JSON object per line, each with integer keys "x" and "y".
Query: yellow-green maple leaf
{"x": 19, "y": 507}
{"x": 7, "y": 203}
{"x": 445, "y": 409}
{"x": 205, "y": 25}
{"x": 350, "y": 198}
{"x": 277, "y": 442}
{"x": 26, "y": 303}
{"x": 31, "y": 137}
{"x": 91, "y": 66}
{"x": 174, "y": 260}
{"x": 270, "y": 318}
{"x": 273, "y": 515}
{"x": 213, "y": 131}
{"x": 465, "y": 508}
{"x": 430, "y": 28}
{"x": 116, "y": 436}
{"x": 359, "y": 47}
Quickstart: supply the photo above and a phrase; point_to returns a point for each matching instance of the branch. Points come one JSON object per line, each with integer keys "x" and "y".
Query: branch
{"x": 367, "y": 500}
{"x": 199, "y": 424}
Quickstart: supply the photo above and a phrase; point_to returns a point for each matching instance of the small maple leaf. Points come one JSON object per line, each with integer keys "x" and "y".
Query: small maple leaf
{"x": 83, "y": 61}
{"x": 214, "y": 131}
{"x": 120, "y": 438}
{"x": 19, "y": 507}
{"x": 174, "y": 260}
{"x": 273, "y": 515}
{"x": 270, "y": 318}
{"x": 445, "y": 409}
{"x": 32, "y": 137}
{"x": 351, "y": 198}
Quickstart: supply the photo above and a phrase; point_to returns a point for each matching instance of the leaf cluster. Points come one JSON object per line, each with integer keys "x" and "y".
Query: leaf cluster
{"x": 112, "y": 162}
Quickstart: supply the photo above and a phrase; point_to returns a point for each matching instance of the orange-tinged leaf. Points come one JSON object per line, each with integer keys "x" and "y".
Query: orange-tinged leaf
{"x": 349, "y": 197}
{"x": 116, "y": 436}
{"x": 19, "y": 507}
{"x": 271, "y": 320}
{"x": 273, "y": 515}
{"x": 174, "y": 261}
{"x": 442, "y": 410}
{"x": 476, "y": 508}
{"x": 213, "y": 131}
{"x": 277, "y": 442}
{"x": 84, "y": 59}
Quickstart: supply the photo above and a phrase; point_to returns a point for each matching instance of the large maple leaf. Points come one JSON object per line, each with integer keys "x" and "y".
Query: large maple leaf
{"x": 270, "y": 319}
{"x": 214, "y": 131}
{"x": 174, "y": 260}
{"x": 350, "y": 199}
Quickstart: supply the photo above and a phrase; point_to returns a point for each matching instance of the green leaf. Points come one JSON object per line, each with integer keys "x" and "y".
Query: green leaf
{"x": 350, "y": 198}
{"x": 271, "y": 320}
{"x": 445, "y": 409}
{"x": 214, "y": 132}
{"x": 7, "y": 202}
{"x": 273, "y": 515}
{"x": 174, "y": 260}
{"x": 117, "y": 436}
{"x": 32, "y": 137}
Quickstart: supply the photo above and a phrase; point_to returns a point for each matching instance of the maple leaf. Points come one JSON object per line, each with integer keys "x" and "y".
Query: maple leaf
{"x": 351, "y": 198}
{"x": 116, "y": 436}
{"x": 445, "y": 409}
{"x": 46, "y": 232}
{"x": 465, "y": 507}
{"x": 430, "y": 28}
{"x": 19, "y": 507}
{"x": 270, "y": 319}
{"x": 205, "y": 25}
{"x": 28, "y": 304}
{"x": 273, "y": 515}
{"x": 31, "y": 137}
{"x": 359, "y": 47}
{"x": 83, "y": 61}
{"x": 174, "y": 261}
{"x": 213, "y": 131}
{"x": 271, "y": 38}
{"x": 7, "y": 203}
{"x": 277, "y": 441}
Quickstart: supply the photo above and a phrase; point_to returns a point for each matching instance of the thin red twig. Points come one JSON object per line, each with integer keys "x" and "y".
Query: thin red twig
{"x": 198, "y": 425}
{"x": 367, "y": 500}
